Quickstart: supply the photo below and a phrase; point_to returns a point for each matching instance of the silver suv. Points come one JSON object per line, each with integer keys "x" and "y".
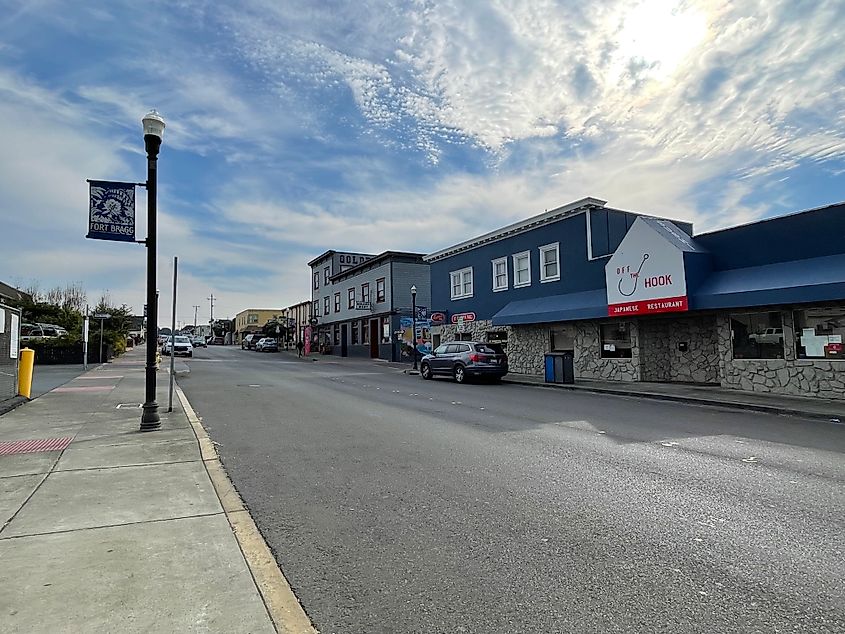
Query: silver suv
{"x": 465, "y": 359}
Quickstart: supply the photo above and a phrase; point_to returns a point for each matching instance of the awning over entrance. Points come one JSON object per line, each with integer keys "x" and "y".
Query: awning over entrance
{"x": 794, "y": 282}
{"x": 584, "y": 305}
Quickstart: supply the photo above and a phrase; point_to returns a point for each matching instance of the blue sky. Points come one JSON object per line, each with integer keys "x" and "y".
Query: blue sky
{"x": 298, "y": 126}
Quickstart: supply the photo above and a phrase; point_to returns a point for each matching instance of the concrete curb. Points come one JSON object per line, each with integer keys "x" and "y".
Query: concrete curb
{"x": 752, "y": 407}
{"x": 284, "y": 608}
{"x": 9, "y": 404}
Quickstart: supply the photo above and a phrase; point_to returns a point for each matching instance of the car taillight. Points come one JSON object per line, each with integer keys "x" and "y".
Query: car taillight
{"x": 475, "y": 357}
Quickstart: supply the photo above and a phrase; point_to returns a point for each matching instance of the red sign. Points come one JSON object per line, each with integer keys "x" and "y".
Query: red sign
{"x": 437, "y": 318}
{"x": 649, "y": 306}
{"x": 466, "y": 316}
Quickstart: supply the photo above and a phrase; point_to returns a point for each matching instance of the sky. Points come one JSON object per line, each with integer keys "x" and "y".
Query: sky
{"x": 296, "y": 126}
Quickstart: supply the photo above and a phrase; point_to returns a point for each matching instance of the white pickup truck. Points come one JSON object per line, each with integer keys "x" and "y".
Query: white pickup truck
{"x": 769, "y": 335}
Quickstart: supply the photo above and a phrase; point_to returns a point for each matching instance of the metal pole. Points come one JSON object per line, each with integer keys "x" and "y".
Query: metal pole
{"x": 196, "y": 308}
{"x": 173, "y": 338}
{"x": 150, "y": 419}
{"x": 85, "y": 340}
{"x": 102, "y": 321}
{"x": 414, "y": 327}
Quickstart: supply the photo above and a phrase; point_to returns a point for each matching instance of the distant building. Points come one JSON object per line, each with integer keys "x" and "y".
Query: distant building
{"x": 364, "y": 309}
{"x": 252, "y": 320}
{"x": 11, "y": 295}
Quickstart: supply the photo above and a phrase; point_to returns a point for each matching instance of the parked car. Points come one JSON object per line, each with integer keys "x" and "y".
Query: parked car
{"x": 465, "y": 359}
{"x": 216, "y": 340}
{"x": 248, "y": 342}
{"x": 41, "y": 331}
{"x": 198, "y": 342}
{"x": 181, "y": 345}
{"x": 267, "y": 344}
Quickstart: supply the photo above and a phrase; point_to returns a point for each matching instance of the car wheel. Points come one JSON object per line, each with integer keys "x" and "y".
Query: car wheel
{"x": 425, "y": 371}
{"x": 190, "y": 354}
{"x": 460, "y": 374}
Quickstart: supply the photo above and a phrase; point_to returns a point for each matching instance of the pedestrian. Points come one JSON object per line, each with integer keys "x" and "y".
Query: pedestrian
{"x": 299, "y": 347}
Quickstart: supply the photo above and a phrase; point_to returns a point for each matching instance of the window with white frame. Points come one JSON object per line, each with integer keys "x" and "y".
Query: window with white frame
{"x": 316, "y": 308}
{"x": 326, "y": 274}
{"x": 350, "y": 298}
{"x": 522, "y": 269}
{"x": 500, "y": 274}
{"x": 326, "y": 304}
{"x": 550, "y": 263}
{"x": 461, "y": 283}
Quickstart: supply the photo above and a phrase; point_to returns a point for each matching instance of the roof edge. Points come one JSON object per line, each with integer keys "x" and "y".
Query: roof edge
{"x": 518, "y": 227}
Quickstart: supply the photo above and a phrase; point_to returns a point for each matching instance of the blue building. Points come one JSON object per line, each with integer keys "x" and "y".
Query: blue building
{"x": 637, "y": 298}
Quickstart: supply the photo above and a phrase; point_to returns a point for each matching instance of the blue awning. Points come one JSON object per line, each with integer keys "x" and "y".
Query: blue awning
{"x": 584, "y": 305}
{"x": 795, "y": 282}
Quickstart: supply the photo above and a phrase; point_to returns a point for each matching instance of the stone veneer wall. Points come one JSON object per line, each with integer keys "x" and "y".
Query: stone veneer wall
{"x": 662, "y": 360}
{"x": 588, "y": 361}
{"x": 527, "y": 344}
{"x": 790, "y": 375}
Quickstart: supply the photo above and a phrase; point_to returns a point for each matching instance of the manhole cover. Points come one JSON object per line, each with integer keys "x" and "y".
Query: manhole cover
{"x": 34, "y": 445}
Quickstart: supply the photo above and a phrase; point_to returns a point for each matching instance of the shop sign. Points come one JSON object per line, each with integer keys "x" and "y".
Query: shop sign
{"x": 363, "y": 306}
{"x": 463, "y": 317}
{"x": 437, "y": 318}
{"x": 646, "y": 274}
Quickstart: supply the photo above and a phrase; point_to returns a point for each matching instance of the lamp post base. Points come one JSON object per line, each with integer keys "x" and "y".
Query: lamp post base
{"x": 150, "y": 420}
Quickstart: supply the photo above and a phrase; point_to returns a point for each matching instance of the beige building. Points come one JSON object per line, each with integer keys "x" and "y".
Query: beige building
{"x": 252, "y": 320}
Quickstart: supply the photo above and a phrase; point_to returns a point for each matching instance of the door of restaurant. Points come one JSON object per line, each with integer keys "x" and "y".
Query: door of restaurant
{"x": 344, "y": 340}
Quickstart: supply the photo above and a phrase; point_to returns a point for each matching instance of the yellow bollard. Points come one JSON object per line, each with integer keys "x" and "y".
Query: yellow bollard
{"x": 25, "y": 372}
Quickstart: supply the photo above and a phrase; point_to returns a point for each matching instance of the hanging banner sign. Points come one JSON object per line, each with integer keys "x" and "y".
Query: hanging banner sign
{"x": 111, "y": 211}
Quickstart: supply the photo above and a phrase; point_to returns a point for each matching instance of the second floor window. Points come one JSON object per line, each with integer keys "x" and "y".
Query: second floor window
{"x": 337, "y": 302}
{"x": 316, "y": 308}
{"x": 550, "y": 263}
{"x": 326, "y": 305}
{"x": 350, "y": 299}
{"x": 365, "y": 292}
{"x": 316, "y": 280}
{"x": 326, "y": 272}
{"x": 252, "y": 318}
{"x": 380, "y": 290}
{"x": 522, "y": 269}
{"x": 461, "y": 283}
{"x": 500, "y": 274}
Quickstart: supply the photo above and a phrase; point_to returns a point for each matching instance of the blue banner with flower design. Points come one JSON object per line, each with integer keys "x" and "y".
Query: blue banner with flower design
{"x": 111, "y": 213}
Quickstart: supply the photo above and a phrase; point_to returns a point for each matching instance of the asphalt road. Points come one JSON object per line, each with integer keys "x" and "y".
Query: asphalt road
{"x": 398, "y": 505}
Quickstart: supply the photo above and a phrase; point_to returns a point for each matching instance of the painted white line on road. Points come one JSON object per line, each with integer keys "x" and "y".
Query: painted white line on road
{"x": 750, "y": 459}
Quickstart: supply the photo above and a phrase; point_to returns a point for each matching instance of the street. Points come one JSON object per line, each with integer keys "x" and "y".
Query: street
{"x": 394, "y": 504}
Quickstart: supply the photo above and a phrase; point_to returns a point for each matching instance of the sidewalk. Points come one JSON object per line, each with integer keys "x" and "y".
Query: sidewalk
{"x": 104, "y": 528}
{"x": 708, "y": 395}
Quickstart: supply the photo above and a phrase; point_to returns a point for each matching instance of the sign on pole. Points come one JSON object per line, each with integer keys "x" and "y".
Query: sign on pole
{"x": 111, "y": 211}
{"x": 102, "y": 316}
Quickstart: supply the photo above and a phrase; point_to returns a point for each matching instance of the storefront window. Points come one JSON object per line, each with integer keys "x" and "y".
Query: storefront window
{"x": 616, "y": 340}
{"x": 561, "y": 340}
{"x": 819, "y": 333}
{"x": 354, "y": 333}
{"x": 385, "y": 330}
{"x": 336, "y": 334}
{"x": 757, "y": 336}
{"x": 365, "y": 332}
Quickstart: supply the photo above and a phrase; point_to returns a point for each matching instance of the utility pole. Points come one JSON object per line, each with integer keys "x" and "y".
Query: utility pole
{"x": 211, "y": 300}
{"x": 196, "y": 308}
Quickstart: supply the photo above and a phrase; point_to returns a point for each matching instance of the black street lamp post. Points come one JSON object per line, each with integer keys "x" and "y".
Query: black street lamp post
{"x": 153, "y": 133}
{"x": 414, "y": 324}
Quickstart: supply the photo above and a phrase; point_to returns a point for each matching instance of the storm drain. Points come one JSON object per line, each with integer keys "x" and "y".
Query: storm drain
{"x": 33, "y": 446}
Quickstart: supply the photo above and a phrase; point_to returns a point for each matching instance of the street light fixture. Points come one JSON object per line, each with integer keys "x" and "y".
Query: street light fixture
{"x": 153, "y": 134}
{"x": 414, "y": 324}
